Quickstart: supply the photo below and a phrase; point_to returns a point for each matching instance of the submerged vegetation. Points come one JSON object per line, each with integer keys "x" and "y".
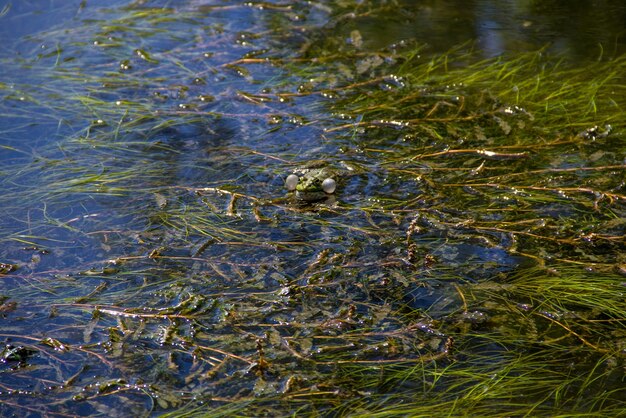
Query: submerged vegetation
{"x": 472, "y": 262}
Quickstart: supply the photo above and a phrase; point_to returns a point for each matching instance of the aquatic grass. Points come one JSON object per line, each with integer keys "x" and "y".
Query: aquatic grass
{"x": 570, "y": 287}
{"x": 499, "y": 389}
{"x": 517, "y": 383}
{"x": 470, "y": 265}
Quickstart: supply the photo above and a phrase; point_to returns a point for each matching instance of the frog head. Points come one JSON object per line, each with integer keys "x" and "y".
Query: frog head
{"x": 312, "y": 184}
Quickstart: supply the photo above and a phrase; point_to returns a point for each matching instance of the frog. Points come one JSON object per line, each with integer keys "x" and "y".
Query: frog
{"x": 314, "y": 182}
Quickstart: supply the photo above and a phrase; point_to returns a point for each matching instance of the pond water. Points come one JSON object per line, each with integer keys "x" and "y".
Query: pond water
{"x": 153, "y": 263}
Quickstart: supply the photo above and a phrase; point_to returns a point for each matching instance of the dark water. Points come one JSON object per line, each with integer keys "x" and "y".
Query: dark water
{"x": 582, "y": 29}
{"x": 116, "y": 127}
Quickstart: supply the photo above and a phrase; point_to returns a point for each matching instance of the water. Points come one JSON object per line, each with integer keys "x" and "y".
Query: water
{"x": 161, "y": 265}
{"x": 583, "y": 30}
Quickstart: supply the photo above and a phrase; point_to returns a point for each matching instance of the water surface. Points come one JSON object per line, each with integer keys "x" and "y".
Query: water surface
{"x": 153, "y": 262}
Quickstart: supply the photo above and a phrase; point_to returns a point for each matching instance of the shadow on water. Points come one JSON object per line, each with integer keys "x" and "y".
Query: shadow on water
{"x": 471, "y": 259}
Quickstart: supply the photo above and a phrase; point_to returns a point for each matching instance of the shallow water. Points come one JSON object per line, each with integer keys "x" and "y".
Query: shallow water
{"x": 162, "y": 267}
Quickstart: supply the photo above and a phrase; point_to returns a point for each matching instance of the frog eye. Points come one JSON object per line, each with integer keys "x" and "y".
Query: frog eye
{"x": 291, "y": 182}
{"x": 329, "y": 185}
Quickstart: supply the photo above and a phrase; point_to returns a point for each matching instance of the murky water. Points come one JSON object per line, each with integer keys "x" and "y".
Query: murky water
{"x": 582, "y": 29}
{"x": 153, "y": 261}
